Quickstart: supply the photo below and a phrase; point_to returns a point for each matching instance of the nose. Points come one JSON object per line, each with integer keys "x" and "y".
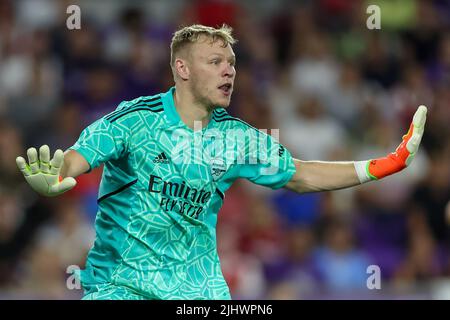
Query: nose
{"x": 229, "y": 71}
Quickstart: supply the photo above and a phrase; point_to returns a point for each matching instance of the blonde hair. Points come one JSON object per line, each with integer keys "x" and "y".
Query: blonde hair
{"x": 190, "y": 34}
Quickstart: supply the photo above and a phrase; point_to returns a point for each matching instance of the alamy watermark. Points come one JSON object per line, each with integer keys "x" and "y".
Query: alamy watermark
{"x": 374, "y": 20}
{"x": 374, "y": 279}
{"x": 224, "y": 148}
{"x": 73, "y": 280}
{"x": 73, "y": 21}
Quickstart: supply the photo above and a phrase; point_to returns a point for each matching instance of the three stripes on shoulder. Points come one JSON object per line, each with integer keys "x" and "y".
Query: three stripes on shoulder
{"x": 153, "y": 104}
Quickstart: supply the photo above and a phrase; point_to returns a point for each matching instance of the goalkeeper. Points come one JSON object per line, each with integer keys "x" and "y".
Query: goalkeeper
{"x": 157, "y": 208}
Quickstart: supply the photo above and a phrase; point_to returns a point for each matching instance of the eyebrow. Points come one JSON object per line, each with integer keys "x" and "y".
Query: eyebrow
{"x": 232, "y": 58}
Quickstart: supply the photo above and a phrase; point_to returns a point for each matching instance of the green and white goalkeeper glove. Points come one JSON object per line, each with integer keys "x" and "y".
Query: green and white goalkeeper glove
{"x": 43, "y": 174}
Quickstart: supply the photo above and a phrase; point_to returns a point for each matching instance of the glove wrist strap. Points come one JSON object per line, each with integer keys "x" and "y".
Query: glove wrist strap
{"x": 361, "y": 171}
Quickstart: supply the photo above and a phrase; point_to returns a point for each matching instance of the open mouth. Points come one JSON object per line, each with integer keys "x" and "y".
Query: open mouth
{"x": 226, "y": 89}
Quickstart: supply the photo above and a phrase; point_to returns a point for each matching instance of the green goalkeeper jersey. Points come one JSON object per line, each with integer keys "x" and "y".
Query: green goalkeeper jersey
{"x": 161, "y": 190}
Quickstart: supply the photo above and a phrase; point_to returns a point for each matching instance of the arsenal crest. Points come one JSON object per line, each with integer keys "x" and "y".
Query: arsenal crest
{"x": 218, "y": 168}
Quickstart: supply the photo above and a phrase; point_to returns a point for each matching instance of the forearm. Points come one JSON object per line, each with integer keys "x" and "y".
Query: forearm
{"x": 314, "y": 176}
{"x": 74, "y": 164}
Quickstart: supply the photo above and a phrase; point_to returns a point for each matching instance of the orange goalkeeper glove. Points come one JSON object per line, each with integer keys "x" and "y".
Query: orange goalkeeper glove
{"x": 401, "y": 158}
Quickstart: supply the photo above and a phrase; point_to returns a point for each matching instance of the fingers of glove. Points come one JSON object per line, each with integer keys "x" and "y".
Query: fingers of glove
{"x": 44, "y": 158}
{"x": 33, "y": 160}
{"x": 65, "y": 185}
{"x": 414, "y": 142}
{"x": 420, "y": 117}
{"x": 57, "y": 162}
{"x": 415, "y": 133}
{"x": 23, "y": 167}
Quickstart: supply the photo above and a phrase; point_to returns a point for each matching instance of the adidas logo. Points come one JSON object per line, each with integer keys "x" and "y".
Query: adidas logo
{"x": 161, "y": 158}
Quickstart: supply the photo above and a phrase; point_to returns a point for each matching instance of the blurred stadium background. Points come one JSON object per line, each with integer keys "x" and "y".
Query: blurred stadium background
{"x": 336, "y": 91}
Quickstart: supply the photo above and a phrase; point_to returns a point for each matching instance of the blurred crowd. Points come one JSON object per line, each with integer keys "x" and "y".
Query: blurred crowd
{"x": 334, "y": 88}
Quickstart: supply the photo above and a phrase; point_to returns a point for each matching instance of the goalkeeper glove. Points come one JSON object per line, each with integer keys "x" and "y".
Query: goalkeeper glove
{"x": 42, "y": 174}
{"x": 401, "y": 158}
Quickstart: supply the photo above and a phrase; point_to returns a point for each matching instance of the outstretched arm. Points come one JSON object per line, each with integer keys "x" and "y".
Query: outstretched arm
{"x": 51, "y": 177}
{"x": 313, "y": 176}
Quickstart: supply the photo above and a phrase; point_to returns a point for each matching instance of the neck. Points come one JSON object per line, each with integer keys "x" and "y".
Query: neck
{"x": 189, "y": 109}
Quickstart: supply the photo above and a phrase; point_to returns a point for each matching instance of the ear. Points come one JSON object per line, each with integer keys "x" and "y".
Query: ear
{"x": 182, "y": 69}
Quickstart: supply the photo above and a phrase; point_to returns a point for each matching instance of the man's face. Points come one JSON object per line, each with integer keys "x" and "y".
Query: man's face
{"x": 212, "y": 72}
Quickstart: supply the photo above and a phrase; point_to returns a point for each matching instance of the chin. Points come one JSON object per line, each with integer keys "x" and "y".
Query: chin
{"x": 223, "y": 103}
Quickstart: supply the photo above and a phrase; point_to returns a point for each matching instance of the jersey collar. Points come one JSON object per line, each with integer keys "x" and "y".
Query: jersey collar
{"x": 169, "y": 107}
